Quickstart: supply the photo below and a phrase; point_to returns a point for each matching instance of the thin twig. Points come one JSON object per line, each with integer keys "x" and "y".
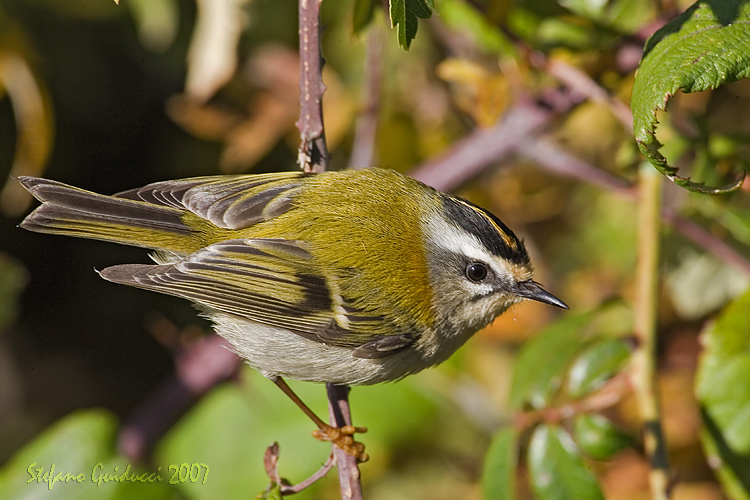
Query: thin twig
{"x": 317, "y": 476}
{"x": 363, "y": 150}
{"x": 313, "y": 152}
{"x": 608, "y": 395}
{"x": 558, "y": 161}
{"x": 271, "y": 463}
{"x": 706, "y": 240}
{"x": 349, "y": 476}
{"x": 581, "y": 82}
{"x": 483, "y": 147}
{"x": 644, "y": 366}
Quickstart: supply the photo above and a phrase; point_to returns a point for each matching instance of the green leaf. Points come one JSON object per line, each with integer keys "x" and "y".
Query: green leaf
{"x": 736, "y": 219}
{"x": 361, "y": 13}
{"x": 723, "y": 378}
{"x": 595, "y": 365}
{"x": 499, "y": 476}
{"x": 404, "y": 16}
{"x": 542, "y": 363}
{"x": 598, "y": 437}
{"x": 707, "y": 46}
{"x": 591, "y": 9}
{"x": 273, "y": 492}
{"x": 81, "y": 445}
{"x": 702, "y": 283}
{"x": 732, "y": 469}
{"x": 231, "y": 427}
{"x": 463, "y": 17}
{"x": 557, "y": 469}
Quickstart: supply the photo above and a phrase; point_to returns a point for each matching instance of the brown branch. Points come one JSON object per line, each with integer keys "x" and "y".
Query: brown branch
{"x": 556, "y": 160}
{"x": 313, "y": 152}
{"x": 579, "y": 81}
{"x": 483, "y": 147}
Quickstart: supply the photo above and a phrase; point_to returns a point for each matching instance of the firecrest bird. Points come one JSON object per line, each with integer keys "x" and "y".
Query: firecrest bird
{"x": 351, "y": 277}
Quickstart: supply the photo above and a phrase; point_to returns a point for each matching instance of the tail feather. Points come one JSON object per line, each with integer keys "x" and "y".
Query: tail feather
{"x": 71, "y": 211}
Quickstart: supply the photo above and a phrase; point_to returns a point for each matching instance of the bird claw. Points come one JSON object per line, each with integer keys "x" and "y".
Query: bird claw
{"x": 342, "y": 438}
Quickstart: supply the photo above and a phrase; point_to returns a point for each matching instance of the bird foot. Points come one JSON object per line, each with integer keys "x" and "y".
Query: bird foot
{"x": 343, "y": 438}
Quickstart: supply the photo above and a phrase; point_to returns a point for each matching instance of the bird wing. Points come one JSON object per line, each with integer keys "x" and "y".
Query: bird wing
{"x": 275, "y": 282}
{"x": 228, "y": 201}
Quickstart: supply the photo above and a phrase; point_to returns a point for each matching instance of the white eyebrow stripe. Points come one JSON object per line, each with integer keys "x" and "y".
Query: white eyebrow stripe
{"x": 458, "y": 241}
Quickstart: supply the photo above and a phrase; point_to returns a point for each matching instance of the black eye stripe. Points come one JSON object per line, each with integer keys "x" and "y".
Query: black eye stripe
{"x": 476, "y": 271}
{"x": 493, "y": 234}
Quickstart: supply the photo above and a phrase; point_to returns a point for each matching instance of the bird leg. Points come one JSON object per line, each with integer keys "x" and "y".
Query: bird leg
{"x": 341, "y": 437}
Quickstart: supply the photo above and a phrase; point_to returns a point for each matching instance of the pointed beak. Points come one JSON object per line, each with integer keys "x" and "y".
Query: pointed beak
{"x": 532, "y": 290}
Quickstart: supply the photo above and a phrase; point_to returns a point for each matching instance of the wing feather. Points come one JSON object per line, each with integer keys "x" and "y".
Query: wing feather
{"x": 271, "y": 281}
{"x": 230, "y": 202}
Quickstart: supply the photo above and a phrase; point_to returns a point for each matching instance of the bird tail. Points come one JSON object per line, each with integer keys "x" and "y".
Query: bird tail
{"x": 71, "y": 211}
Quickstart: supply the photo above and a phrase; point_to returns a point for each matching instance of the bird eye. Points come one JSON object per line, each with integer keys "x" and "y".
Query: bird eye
{"x": 476, "y": 272}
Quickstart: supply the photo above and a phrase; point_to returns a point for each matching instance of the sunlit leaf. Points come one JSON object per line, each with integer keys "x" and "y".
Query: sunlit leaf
{"x": 404, "y": 17}
{"x": 231, "y": 427}
{"x": 595, "y": 365}
{"x": 723, "y": 379}
{"x": 702, "y": 283}
{"x": 542, "y": 363}
{"x": 81, "y": 445}
{"x": 272, "y": 493}
{"x": 707, "y": 46}
{"x": 229, "y": 430}
{"x": 732, "y": 469}
{"x": 557, "y": 469}
{"x": 598, "y": 437}
{"x": 498, "y": 478}
{"x": 591, "y": 9}
{"x": 464, "y": 17}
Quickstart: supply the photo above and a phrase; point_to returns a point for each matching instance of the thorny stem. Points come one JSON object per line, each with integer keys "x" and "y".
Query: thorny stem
{"x": 313, "y": 157}
{"x": 643, "y": 365}
{"x": 313, "y": 151}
